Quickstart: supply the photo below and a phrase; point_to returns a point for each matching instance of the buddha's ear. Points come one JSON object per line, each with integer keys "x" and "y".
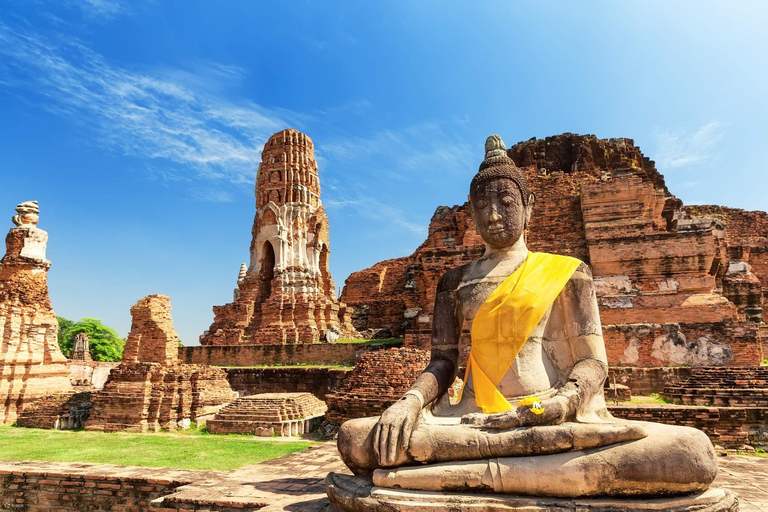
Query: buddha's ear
{"x": 529, "y": 208}
{"x": 469, "y": 202}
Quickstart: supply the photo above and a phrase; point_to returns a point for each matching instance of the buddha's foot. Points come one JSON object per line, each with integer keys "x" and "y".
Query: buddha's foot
{"x": 358, "y": 494}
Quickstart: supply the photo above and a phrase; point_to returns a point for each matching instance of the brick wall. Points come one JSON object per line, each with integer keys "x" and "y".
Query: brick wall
{"x": 90, "y": 373}
{"x": 255, "y": 355}
{"x": 644, "y": 381}
{"x": 31, "y": 486}
{"x": 654, "y": 344}
{"x": 730, "y": 427}
{"x": 318, "y": 381}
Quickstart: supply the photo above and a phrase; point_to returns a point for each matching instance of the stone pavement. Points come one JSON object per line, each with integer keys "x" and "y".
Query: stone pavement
{"x": 296, "y": 483}
{"x": 748, "y": 478}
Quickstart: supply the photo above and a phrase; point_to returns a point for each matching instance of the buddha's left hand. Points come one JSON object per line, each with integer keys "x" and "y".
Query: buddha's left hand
{"x": 555, "y": 412}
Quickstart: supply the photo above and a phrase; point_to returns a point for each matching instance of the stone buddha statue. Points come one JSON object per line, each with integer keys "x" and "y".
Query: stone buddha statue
{"x": 530, "y": 423}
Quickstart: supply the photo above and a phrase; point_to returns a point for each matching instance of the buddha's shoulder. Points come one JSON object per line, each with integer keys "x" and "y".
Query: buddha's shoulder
{"x": 452, "y": 279}
{"x": 582, "y": 270}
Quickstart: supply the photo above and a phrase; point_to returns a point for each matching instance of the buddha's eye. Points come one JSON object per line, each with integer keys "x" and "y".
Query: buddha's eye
{"x": 507, "y": 200}
{"x": 481, "y": 204}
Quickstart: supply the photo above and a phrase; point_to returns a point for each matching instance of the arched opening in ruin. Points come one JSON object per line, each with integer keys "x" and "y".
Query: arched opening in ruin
{"x": 267, "y": 272}
{"x": 324, "y": 283}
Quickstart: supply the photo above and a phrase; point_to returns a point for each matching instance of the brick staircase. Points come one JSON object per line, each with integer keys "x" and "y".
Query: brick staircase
{"x": 722, "y": 387}
{"x": 266, "y": 414}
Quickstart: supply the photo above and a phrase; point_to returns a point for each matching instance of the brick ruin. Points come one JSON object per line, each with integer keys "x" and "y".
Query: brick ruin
{"x": 31, "y": 363}
{"x": 268, "y": 414}
{"x": 80, "y": 349}
{"x": 379, "y": 379}
{"x": 286, "y": 294}
{"x": 676, "y": 285}
{"x": 150, "y": 390}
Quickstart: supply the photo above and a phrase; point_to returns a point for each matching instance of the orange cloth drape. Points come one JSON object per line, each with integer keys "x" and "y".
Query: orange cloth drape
{"x": 506, "y": 320}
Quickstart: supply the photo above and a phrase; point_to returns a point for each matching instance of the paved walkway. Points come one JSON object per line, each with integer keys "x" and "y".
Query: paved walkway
{"x": 296, "y": 483}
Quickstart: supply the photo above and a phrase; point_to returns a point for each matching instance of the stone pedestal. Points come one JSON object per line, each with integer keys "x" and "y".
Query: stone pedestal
{"x": 358, "y": 494}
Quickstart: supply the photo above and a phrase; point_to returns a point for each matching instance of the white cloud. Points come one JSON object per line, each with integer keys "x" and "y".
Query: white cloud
{"x": 419, "y": 157}
{"x": 213, "y": 196}
{"x": 161, "y": 115}
{"x": 678, "y": 149}
{"x": 101, "y": 8}
{"x": 370, "y": 208}
{"x": 424, "y": 150}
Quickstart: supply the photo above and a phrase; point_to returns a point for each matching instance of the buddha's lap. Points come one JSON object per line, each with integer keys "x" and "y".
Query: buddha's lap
{"x": 659, "y": 454}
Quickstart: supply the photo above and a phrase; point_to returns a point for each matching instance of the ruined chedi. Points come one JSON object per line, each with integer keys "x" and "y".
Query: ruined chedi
{"x": 31, "y": 363}
{"x": 286, "y": 294}
{"x": 150, "y": 390}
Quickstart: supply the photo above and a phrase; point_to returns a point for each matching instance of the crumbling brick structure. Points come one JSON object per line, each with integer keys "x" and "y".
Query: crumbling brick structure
{"x": 286, "y": 294}
{"x": 150, "y": 390}
{"x": 379, "y": 379}
{"x": 31, "y": 363}
{"x": 81, "y": 351}
{"x": 657, "y": 266}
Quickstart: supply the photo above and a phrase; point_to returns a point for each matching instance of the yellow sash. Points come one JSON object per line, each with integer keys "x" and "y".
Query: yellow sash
{"x": 507, "y": 318}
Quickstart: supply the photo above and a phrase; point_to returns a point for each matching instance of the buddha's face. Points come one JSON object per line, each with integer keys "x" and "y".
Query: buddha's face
{"x": 498, "y": 211}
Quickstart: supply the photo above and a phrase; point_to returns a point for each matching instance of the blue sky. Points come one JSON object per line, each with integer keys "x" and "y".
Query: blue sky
{"x": 138, "y": 124}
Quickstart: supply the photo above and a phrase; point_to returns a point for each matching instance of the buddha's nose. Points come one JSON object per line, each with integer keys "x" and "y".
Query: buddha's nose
{"x": 495, "y": 217}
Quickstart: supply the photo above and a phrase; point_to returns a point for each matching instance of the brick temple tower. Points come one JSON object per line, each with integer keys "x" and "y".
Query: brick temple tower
{"x": 286, "y": 294}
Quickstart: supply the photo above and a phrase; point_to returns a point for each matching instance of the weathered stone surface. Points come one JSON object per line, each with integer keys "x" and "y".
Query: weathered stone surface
{"x": 266, "y": 414}
{"x": 286, "y": 294}
{"x": 602, "y": 201}
{"x": 31, "y": 363}
{"x": 357, "y": 493}
{"x": 150, "y": 389}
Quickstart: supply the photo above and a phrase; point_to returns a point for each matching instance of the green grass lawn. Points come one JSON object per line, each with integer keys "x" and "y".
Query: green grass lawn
{"x": 649, "y": 400}
{"x": 184, "y": 451}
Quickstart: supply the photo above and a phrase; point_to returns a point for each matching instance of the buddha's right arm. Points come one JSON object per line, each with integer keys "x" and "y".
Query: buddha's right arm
{"x": 392, "y": 433}
{"x": 446, "y": 331}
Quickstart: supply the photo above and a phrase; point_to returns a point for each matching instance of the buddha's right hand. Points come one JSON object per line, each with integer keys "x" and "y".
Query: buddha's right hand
{"x": 393, "y": 431}
{"x": 500, "y": 421}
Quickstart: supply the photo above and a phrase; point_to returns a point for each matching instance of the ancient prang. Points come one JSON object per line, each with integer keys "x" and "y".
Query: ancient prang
{"x": 31, "y": 363}
{"x": 286, "y": 294}
{"x": 676, "y": 285}
{"x": 150, "y": 390}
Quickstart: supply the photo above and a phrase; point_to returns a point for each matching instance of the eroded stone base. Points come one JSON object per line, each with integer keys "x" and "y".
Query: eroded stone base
{"x": 358, "y": 494}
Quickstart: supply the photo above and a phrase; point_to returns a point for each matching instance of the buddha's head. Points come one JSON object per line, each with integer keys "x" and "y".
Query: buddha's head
{"x": 500, "y": 199}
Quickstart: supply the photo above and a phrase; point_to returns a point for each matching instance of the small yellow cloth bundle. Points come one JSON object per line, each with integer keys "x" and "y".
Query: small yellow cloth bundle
{"x": 532, "y": 402}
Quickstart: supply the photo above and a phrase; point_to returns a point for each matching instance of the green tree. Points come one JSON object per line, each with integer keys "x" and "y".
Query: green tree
{"x": 105, "y": 344}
